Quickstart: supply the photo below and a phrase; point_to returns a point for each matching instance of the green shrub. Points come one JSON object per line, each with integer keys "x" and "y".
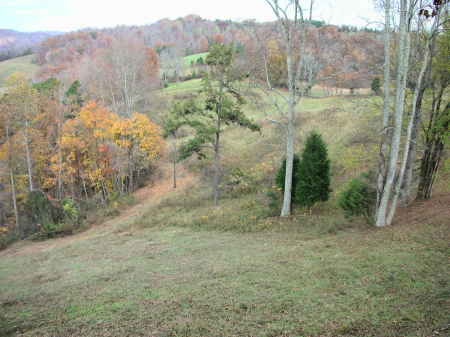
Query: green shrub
{"x": 71, "y": 212}
{"x": 313, "y": 173}
{"x": 358, "y": 199}
{"x": 281, "y": 174}
{"x": 40, "y": 210}
{"x": 376, "y": 86}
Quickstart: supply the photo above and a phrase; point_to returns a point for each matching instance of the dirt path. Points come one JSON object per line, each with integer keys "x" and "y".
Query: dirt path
{"x": 146, "y": 197}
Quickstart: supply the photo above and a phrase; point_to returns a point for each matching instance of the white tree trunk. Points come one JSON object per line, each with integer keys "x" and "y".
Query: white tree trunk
{"x": 28, "y": 155}
{"x": 403, "y": 60}
{"x": 287, "y": 198}
{"x": 385, "y": 142}
{"x": 409, "y": 149}
{"x": 290, "y": 131}
{"x": 12, "y": 180}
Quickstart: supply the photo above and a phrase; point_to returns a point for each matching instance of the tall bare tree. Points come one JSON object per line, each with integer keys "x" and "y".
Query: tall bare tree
{"x": 406, "y": 9}
{"x": 387, "y": 97}
{"x": 291, "y": 22}
{"x": 409, "y": 153}
{"x": 121, "y": 74}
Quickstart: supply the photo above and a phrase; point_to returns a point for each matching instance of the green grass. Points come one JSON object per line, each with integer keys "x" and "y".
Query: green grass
{"x": 183, "y": 87}
{"x": 19, "y": 64}
{"x": 188, "y": 59}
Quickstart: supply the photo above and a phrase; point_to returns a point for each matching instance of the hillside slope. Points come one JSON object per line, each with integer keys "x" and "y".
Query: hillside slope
{"x": 13, "y": 42}
{"x": 113, "y": 281}
{"x": 175, "y": 265}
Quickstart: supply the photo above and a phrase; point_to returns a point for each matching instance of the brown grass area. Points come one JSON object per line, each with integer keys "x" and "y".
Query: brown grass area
{"x": 436, "y": 210}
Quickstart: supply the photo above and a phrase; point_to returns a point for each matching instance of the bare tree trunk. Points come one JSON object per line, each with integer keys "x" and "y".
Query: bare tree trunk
{"x": 403, "y": 59}
{"x": 14, "y": 197}
{"x": 311, "y": 10}
{"x": 216, "y": 179}
{"x": 287, "y": 199}
{"x": 289, "y": 25}
{"x": 12, "y": 180}
{"x": 406, "y": 151}
{"x": 429, "y": 168}
{"x": 130, "y": 173}
{"x": 84, "y": 188}
{"x": 417, "y": 107}
{"x": 175, "y": 152}
{"x": 266, "y": 70}
{"x": 28, "y": 155}
{"x": 60, "y": 161}
{"x": 406, "y": 188}
{"x": 290, "y": 130}
{"x": 433, "y": 152}
{"x": 385, "y": 141}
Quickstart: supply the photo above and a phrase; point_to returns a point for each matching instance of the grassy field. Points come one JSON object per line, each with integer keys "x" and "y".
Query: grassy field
{"x": 183, "y": 87}
{"x": 175, "y": 265}
{"x": 19, "y": 64}
{"x": 194, "y": 57}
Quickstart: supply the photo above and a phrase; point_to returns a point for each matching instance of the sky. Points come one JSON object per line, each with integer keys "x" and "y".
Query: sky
{"x": 69, "y": 15}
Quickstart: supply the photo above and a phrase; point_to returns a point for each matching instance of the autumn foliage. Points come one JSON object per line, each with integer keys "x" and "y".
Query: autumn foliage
{"x": 93, "y": 152}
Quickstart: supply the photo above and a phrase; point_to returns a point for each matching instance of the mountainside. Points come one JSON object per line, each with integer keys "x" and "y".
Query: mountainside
{"x": 14, "y": 43}
{"x": 345, "y": 58}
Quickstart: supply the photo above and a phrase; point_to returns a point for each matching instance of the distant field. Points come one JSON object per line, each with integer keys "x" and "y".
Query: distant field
{"x": 19, "y": 64}
{"x": 194, "y": 57}
{"x": 187, "y": 86}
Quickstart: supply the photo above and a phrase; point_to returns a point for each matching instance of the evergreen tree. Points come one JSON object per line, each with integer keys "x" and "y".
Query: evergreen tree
{"x": 220, "y": 106}
{"x": 376, "y": 86}
{"x": 314, "y": 172}
{"x": 200, "y": 61}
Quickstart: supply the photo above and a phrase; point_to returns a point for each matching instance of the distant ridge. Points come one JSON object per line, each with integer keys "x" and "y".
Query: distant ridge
{"x": 14, "y": 43}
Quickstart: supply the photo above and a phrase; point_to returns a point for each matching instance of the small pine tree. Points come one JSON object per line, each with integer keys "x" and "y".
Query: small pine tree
{"x": 281, "y": 174}
{"x": 314, "y": 172}
{"x": 376, "y": 86}
{"x": 358, "y": 199}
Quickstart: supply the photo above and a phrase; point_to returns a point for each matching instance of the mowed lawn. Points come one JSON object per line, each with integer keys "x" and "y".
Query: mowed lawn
{"x": 118, "y": 281}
